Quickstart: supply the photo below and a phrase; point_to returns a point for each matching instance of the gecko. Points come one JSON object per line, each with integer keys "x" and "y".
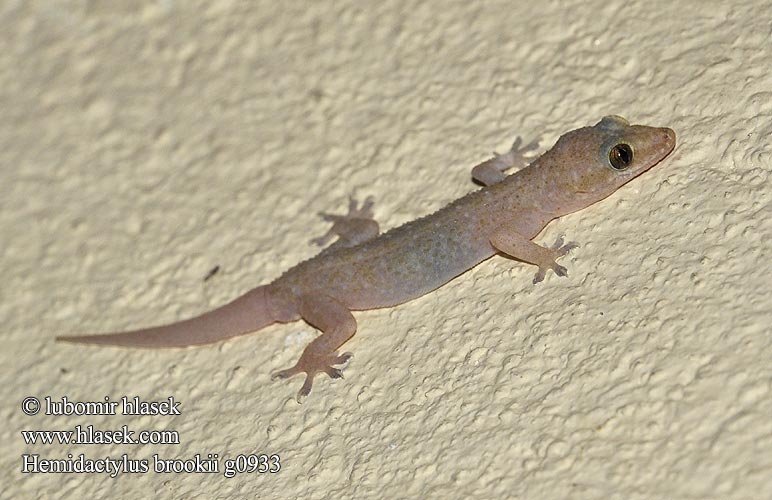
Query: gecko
{"x": 363, "y": 269}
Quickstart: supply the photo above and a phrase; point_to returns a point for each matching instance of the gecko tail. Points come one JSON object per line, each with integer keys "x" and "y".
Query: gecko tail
{"x": 246, "y": 314}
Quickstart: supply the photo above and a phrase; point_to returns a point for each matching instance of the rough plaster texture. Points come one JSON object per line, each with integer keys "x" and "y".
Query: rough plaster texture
{"x": 144, "y": 143}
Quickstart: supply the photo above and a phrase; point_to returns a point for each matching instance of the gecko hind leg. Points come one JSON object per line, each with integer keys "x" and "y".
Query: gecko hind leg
{"x": 492, "y": 171}
{"x": 337, "y": 325}
{"x": 357, "y": 226}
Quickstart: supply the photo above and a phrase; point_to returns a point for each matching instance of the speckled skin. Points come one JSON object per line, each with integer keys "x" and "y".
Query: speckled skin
{"x": 364, "y": 271}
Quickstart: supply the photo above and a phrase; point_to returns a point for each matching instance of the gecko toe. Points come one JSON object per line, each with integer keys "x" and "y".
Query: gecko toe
{"x": 561, "y": 249}
{"x": 542, "y": 272}
{"x": 567, "y": 247}
{"x": 341, "y": 359}
{"x": 367, "y": 206}
{"x": 284, "y": 374}
{"x": 312, "y": 365}
{"x": 560, "y": 270}
{"x": 305, "y": 389}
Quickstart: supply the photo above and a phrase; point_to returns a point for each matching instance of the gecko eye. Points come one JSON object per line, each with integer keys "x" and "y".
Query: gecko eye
{"x": 620, "y": 156}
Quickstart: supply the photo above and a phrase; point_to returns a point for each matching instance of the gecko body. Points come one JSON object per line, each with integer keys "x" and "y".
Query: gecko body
{"x": 365, "y": 270}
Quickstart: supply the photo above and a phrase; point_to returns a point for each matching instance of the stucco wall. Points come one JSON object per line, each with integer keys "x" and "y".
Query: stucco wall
{"x": 142, "y": 144}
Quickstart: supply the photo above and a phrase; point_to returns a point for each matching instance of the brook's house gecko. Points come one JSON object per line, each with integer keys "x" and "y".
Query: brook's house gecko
{"x": 364, "y": 270}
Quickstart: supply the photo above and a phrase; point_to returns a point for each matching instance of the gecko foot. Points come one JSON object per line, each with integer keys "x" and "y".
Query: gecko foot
{"x": 517, "y": 155}
{"x": 311, "y": 365}
{"x": 355, "y": 227}
{"x": 558, "y": 249}
{"x": 491, "y": 171}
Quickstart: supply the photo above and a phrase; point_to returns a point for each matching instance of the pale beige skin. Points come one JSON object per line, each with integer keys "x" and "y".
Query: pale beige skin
{"x": 364, "y": 270}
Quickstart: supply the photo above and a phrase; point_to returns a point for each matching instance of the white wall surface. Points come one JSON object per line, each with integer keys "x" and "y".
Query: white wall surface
{"x": 144, "y": 143}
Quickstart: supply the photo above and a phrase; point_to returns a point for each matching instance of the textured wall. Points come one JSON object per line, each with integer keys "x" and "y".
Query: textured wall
{"x": 143, "y": 144}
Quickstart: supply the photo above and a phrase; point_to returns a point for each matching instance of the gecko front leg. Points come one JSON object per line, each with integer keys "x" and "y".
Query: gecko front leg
{"x": 357, "y": 226}
{"x": 492, "y": 171}
{"x": 518, "y": 246}
{"x": 337, "y": 325}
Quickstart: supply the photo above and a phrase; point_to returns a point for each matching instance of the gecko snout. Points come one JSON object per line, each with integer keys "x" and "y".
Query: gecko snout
{"x": 668, "y": 138}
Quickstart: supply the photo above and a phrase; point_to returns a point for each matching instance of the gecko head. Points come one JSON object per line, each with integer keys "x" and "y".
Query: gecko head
{"x": 611, "y": 153}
